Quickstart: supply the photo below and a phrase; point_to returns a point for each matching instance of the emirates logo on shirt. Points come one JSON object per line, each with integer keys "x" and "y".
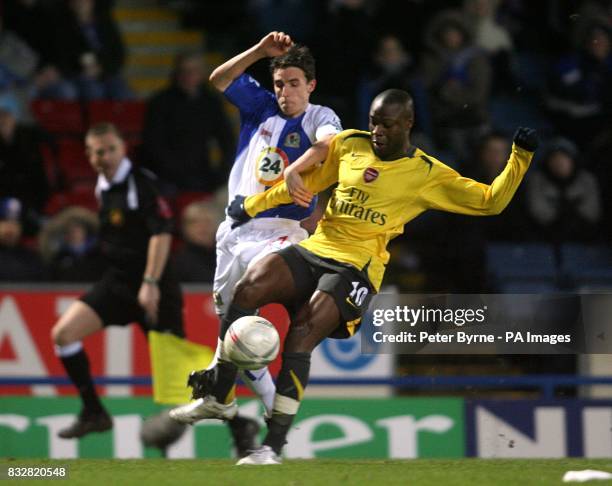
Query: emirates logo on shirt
{"x": 370, "y": 174}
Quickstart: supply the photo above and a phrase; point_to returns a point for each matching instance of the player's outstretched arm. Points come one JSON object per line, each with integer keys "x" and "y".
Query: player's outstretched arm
{"x": 316, "y": 180}
{"x": 446, "y": 190}
{"x": 295, "y": 184}
{"x": 272, "y": 45}
{"x": 242, "y": 209}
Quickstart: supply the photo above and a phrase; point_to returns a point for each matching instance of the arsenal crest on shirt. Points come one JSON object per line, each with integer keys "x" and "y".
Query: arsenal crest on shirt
{"x": 370, "y": 174}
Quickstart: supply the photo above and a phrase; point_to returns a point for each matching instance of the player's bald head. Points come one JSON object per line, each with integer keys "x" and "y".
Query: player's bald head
{"x": 391, "y": 120}
{"x": 398, "y": 97}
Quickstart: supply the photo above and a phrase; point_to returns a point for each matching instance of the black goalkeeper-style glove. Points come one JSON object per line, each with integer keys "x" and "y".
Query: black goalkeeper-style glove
{"x": 526, "y": 138}
{"x": 236, "y": 211}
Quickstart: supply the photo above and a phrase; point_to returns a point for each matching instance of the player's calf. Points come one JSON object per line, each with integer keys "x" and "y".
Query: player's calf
{"x": 290, "y": 386}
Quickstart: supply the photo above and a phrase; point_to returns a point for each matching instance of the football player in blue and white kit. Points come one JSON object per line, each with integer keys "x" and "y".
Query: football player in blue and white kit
{"x": 275, "y": 129}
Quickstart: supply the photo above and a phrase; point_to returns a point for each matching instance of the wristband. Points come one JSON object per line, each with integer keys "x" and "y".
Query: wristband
{"x": 149, "y": 280}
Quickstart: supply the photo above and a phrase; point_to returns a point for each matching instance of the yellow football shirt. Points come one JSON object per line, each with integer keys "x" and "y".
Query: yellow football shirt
{"x": 374, "y": 199}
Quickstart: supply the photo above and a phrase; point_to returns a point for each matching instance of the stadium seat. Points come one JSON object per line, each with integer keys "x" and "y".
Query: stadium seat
{"x": 528, "y": 287}
{"x": 49, "y": 157}
{"x": 522, "y": 268}
{"x": 587, "y": 266}
{"x": 72, "y": 162}
{"x": 183, "y": 199}
{"x": 509, "y": 112}
{"x": 83, "y": 196}
{"x": 127, "y": 115}
{"x": 59, "y": 117}
{"x": 521, "y": 259}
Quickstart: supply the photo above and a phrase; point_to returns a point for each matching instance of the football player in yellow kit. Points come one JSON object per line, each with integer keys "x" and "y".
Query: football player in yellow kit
{"x": 326, "y": 281}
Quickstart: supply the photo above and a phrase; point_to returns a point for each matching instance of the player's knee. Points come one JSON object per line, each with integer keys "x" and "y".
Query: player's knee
{"x": 61, "y": 335}
{"x": 57, "y": 335}
{"x": 265, "y": 282}
{"x": 248, "y": 292}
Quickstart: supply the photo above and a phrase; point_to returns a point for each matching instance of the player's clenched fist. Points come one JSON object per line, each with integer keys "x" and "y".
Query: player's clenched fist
{"x": 275, "y": 44}
{"x": 236, "y": 211}
{"x": 526, "y": 138}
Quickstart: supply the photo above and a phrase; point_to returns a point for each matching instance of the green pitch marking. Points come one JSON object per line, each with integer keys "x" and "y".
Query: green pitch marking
{"x": 324, "y": 472}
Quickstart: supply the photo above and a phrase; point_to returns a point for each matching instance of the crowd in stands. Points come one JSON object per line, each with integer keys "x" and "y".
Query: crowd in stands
{"x": 476, "y": 69}
{"x": 187, "y": 137}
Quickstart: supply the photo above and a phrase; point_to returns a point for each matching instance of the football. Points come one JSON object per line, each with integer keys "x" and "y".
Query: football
{"x": 251, "y": 343}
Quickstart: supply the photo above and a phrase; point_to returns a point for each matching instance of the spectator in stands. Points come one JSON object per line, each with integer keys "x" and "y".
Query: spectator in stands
{"x": 29, "y": 19}
{"x": 69, "y": 246}
{"x": 598, "y": 157}
{"x": 563, "y": 198}
{"x": 17, "y": 262}
{"x": 187, "y": 137}
{"x": 494, "y": 39}
{"x": 393, "y": 67}
{"x": 342, "y": 46}
{"x": 22, "y": 172}
{"x": 89, "y": 51}
{"x": 458, "y": 78}
{"x": 17, "y": 60}
{"x": 489, "y": 159}
{"x": 214, "y": 18}
{"x": 298, "y": 17}
{"x": 491, "y": 156}
{"x": 195, "y": 261}
{"x": 26, "y": 50}
{"x": 580, "y": 86}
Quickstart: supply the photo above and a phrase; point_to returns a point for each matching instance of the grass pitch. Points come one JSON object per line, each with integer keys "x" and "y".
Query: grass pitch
{"x": 324, "y": 472}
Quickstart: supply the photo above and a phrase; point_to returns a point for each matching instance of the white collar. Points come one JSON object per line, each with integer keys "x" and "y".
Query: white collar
{"x": 120, "y": 175}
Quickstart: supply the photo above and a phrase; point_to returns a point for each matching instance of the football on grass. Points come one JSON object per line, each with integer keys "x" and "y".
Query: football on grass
{"x": 251, "y": 343}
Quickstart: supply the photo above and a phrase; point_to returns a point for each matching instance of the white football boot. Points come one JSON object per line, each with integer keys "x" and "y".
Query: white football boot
{"x": 204, "y": 408}
{"x": 263, "y": 456}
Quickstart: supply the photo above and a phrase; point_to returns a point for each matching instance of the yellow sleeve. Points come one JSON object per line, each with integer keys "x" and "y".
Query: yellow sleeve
{"x": 447, "y": 190}
{"x": 316, "y": 180}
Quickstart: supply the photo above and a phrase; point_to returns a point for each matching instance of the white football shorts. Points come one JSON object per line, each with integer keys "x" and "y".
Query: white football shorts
{"x": 243, "y": 246}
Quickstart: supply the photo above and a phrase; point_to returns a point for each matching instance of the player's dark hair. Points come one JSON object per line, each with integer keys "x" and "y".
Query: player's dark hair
{"x": 297, "y": 56}
{"x": 103, "y": 128}
{"x": 398, "y": 97}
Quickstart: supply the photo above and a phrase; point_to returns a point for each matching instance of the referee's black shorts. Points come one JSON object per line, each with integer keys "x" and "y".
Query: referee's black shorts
{"x": 115, "y": 299}
{"x": 350, "y": 288}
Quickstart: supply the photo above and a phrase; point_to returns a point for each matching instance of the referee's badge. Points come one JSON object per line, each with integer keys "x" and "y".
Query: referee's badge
{"x": 370, "y": 174}
{"x": 292, "y": 140}
{"x": 116, "y": 217}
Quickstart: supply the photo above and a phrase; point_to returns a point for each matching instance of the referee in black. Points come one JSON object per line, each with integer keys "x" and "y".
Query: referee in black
{"x": 137, "y": 286}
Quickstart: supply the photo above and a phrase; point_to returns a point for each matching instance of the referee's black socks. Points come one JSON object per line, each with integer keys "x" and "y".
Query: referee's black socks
{"x": 76, "y": 363}
{"x": 290, "y": 385}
